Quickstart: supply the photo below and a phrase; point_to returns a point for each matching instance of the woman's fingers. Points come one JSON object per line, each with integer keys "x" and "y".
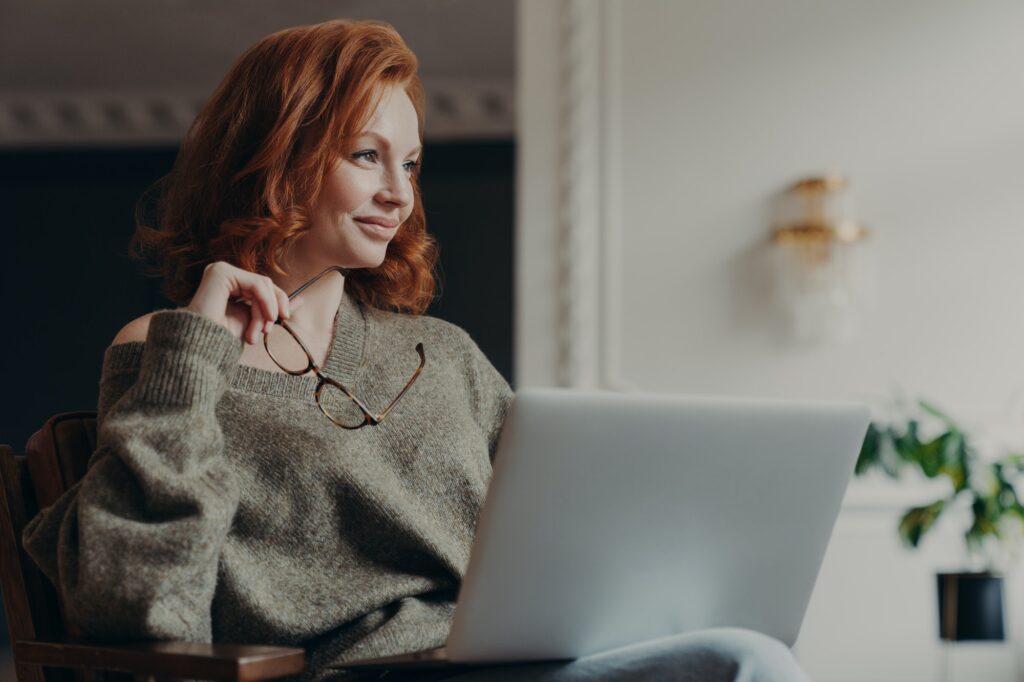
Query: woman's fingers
{"x": 224, "y": 286}
{"x": 255, "y": 326}
{"x": 283, "y": 305}
{"x": 267, "y": 301}
{"x": 263, "y": 309}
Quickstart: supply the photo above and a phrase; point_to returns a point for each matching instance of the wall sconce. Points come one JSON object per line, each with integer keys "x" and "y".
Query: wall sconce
{"x": 820, "y": 267}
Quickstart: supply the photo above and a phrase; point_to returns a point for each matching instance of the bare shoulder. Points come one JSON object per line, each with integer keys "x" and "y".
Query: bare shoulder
{"x": 135, "y": 330}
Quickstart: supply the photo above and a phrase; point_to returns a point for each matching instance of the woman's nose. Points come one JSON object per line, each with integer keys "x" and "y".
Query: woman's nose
{"x": 397, "y": 187}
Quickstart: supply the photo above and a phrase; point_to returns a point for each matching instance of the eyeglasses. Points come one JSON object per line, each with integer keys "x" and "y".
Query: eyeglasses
{"x": 333, "y": 398}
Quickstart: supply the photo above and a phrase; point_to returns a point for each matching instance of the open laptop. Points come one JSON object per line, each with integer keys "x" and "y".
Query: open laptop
{"x": 616, "y": 518}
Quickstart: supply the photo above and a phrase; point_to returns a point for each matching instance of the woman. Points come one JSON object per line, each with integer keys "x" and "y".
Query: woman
{"x": 249, "y": 484}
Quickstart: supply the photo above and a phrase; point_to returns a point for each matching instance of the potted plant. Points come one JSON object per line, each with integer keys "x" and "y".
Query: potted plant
{"x": 970, "y": 603}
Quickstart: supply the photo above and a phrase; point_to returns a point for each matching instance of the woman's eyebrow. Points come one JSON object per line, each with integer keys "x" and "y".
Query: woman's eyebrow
{"x": 387, "y": 143}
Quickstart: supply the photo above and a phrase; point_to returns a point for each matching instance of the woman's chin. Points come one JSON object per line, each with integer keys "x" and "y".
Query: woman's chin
{"x": 367, "y": 261}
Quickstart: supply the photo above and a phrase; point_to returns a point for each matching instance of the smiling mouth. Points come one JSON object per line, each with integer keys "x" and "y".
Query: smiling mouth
{"x": 376, "y": 231}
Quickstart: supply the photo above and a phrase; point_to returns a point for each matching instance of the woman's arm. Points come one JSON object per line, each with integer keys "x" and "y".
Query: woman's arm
{"x": 134, "y": 547}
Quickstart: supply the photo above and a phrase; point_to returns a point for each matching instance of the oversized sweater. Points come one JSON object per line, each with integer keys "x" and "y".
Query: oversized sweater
{"x": 222, "y": 505}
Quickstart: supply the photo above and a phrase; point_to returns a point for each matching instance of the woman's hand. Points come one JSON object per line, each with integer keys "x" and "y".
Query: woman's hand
{"x": 244, "y": 302}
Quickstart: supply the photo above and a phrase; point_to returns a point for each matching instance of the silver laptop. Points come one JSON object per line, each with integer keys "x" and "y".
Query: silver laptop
{"x": 615, "y": 518}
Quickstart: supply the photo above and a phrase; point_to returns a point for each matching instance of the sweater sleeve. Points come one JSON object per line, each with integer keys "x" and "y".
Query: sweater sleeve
{"x": 134, "y": 546}
{"x": 492, "y": 396}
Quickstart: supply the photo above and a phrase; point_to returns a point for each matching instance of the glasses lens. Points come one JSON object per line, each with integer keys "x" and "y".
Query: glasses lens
{"x": 285, "y": 350}
{"x": 340, "y": 407}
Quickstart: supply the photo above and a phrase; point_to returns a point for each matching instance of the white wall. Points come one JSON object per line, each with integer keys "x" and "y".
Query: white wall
{"x": 722, "y": 105}
{"x": 921, "y": 103}
{"x": 706, "y": 110}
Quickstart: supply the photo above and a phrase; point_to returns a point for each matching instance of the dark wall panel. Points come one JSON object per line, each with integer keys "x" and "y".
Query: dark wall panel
{"x": 68, "y": 284}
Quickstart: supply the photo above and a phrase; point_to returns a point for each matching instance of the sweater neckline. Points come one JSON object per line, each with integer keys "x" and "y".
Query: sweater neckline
{"x": 344, "y": 358}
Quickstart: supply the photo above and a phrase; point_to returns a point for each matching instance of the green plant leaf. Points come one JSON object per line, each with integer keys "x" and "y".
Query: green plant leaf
{"x": 985, "y": 513}
{"x": 868, "y": 457}
{"x": 955, "y": 459}
{"x": 918, "y": 521}
{"x": 954, "y": 448}
{"x": 889, "y": 457}
{"x": 936, "y": 412}
{"x": 995, "y": 507}
{"x": 907, "y": 444}
{"x": 1007, "y": 499}
{"x": 956, "y": 474}
{"x": 928, "y": 456}
{"x": 1016, "y": 461}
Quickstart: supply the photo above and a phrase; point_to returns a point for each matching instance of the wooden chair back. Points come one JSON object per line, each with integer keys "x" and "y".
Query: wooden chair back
{"x": 55, "y": 458}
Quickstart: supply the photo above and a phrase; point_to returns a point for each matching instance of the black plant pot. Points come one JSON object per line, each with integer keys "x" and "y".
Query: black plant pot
{"x": 971, "y": 607}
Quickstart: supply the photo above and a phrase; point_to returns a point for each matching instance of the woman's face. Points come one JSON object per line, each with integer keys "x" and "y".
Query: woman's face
{"x": 368, "y": 195}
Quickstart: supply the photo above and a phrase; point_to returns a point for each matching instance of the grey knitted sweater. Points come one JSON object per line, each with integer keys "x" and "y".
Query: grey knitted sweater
{"x": 222, "y": 505}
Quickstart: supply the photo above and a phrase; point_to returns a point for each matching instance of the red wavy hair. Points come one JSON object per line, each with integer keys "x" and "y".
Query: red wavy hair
{"x": 253, "y": 161}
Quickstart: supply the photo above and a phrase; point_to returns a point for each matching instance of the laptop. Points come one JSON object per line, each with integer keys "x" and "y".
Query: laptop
{"x": 616, "y": 518}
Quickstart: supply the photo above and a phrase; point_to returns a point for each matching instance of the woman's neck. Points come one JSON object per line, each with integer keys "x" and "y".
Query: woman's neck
{"x": 320, "y": 302}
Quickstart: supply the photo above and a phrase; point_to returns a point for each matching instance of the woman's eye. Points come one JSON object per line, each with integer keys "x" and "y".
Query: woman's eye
{"x": 371, "y": 156}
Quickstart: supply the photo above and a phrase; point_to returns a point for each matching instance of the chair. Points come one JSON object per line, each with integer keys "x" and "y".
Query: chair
{"x": 46, "y": 646}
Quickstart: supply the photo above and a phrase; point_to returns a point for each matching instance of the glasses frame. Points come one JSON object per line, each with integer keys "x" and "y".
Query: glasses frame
{"x": 369, "y": 418}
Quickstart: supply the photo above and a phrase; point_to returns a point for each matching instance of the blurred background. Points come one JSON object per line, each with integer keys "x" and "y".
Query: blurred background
{"x": 815, "y": 199}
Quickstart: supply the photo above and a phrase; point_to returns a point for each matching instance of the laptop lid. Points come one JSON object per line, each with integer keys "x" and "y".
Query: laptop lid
{"x": 615, "y": 518}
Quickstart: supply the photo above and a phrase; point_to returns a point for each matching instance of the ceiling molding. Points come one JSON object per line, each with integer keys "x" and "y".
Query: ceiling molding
{"x": 457, "y": 109}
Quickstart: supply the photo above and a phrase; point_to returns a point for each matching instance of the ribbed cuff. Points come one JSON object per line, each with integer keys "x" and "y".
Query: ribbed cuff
{"x": 187, "y": 359}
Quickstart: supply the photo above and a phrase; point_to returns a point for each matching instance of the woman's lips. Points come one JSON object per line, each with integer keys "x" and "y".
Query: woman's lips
{"x": 376, "y": 231}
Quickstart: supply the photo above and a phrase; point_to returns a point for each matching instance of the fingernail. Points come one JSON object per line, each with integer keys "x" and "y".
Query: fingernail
{"x": 267, "y": 326}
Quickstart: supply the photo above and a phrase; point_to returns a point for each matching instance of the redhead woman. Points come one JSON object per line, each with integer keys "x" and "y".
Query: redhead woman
{"x": 296, "y": 455}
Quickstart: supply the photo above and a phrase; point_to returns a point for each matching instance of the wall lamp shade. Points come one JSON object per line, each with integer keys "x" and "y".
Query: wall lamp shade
{"x": 820, "y": 265}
